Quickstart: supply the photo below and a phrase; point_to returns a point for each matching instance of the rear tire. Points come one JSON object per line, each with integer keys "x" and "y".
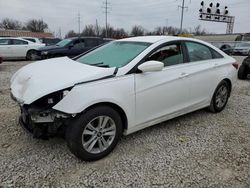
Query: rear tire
{"x": 242, "y": 73}
{"x": 95, "y": 133}
{"x": 30, "y": 55}
{"x": 220, "y": 97}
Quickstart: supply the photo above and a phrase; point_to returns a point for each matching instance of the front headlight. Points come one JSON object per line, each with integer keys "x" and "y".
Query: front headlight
{"x": 45, "y": 53}
{"x": 52, "y": 99}
{"x": 56, "y": 97}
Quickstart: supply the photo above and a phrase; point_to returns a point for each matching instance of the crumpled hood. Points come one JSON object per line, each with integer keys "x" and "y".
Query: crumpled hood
{"x": 44, "y": 77}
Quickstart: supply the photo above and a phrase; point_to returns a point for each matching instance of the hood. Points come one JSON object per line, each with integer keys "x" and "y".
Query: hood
{"x": 44, "y": 77}
{"x": 52, "y": 47}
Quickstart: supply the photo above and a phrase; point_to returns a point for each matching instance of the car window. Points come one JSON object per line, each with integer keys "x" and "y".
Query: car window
{"x": 91, "y": 42}
{"x": 79, "y": 44}
{"x": 30, "y": 39}
{"x": 198, "y": 52}
{"x": 18, "y": 42}
{"x": 64, "y": 42}
{"x": 4, "y": 41}
{"x": 169, "y": 55}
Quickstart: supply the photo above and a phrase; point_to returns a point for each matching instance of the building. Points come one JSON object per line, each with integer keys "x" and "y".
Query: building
{"x": 20, "y": 33}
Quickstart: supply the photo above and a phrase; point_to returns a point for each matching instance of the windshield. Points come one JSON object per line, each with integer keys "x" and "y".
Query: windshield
{"x": 63, "y": 42}
{"x": 114, "y": 54}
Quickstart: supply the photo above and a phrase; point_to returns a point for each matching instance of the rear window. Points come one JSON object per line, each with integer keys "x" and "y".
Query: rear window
{"x": 200, "y": 52}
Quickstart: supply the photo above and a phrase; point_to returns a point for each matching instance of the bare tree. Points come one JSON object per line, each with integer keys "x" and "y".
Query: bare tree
{"x": 10, "y": 24}
{"x": 199, "y": 31}
{"x": 89, "y": 30}
{"x": 137, "y": 30}
{"x": 36, "y": 25}
{"x": 71, "y": 33}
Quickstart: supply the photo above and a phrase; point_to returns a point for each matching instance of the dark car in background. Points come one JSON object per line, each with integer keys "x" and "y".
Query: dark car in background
{"x": 70, "y": 47}
{"x": 244, "y": 69}
{"x": 228, "y": 49}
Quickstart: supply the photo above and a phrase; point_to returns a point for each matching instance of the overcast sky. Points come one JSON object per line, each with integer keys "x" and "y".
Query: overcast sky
{"x": 123, "y": 13}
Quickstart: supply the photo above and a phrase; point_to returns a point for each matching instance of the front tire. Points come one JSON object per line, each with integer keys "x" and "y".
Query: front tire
{"x": 220, "y": 97}
{"x": 95, "y": 133}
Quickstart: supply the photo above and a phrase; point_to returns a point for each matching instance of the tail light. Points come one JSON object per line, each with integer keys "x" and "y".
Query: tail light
{"x": 236, "y": 66}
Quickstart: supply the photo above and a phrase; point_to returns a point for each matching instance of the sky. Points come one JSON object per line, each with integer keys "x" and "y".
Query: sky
{"x": 62, "y": 14}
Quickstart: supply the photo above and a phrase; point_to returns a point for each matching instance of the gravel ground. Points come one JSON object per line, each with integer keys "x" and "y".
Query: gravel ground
{"x": 200, "y": 149}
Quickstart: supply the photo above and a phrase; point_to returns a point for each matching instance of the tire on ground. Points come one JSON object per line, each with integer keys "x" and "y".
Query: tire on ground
{"x": 242, "y": 73}
{"x": 75, "y": 130}
{"x": 213, "y": 106}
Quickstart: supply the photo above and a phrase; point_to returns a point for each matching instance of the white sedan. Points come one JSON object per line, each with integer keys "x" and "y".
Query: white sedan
{"x": 17, "y": 48}
{"x": 120, "y": 88}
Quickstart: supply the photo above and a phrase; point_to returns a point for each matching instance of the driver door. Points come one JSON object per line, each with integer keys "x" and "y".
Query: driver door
{"x": 164, "y": 92}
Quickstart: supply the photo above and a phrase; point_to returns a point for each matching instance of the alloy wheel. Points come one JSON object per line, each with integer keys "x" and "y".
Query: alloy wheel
{"x": 98, "y": 134}
{"x": 221, "y": 96}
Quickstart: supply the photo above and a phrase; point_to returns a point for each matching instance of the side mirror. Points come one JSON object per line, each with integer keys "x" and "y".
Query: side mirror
{"x": 71, "y": 46}
{"x": 151, "y": 66}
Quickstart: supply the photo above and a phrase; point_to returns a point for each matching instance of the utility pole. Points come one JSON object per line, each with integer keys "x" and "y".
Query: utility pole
{"x": 79, "y": 23}
{"x": 182, "y": 13}
{"x": 106, "y": 11}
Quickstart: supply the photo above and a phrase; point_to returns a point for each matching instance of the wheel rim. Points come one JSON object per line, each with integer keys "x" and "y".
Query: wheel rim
{"x": 221, "y": 96}
{"x": 99, "y": 134}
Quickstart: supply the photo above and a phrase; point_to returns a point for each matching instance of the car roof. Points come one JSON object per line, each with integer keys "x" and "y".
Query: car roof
{"x": 154, "y": 39}
{"x": 73, "y": 38}
{"x": 16, "y": 38}
{"x": 28, "y": 37}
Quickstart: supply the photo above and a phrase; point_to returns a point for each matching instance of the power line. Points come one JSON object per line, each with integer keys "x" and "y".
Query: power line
{"x": 79, "y": 23}
{"x": 182, "y": 13}
{"x": 106, "y": 7}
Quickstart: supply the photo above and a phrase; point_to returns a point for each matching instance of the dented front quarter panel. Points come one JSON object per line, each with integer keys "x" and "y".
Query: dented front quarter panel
{"x": 116, "y": 90}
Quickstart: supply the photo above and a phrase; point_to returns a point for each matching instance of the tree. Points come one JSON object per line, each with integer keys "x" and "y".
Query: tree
{"x": 137, "y": 30}
{"x": 10, "y": 24}
{"x": 36, "y": 25}
{"x": 71, "y": 33}
{"x": 199, "y": 31}
{"x": 89, "y": 30}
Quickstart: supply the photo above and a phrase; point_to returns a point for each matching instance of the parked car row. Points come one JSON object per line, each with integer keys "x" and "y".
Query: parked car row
{"x": 32, "y": 48}
{"x": 242, "y": 48}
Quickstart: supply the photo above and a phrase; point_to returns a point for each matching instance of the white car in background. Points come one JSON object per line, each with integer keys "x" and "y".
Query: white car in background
{"x": 120, "y": 88}
{"x": 17, "y": 48}
{"x": 32, "y": 39}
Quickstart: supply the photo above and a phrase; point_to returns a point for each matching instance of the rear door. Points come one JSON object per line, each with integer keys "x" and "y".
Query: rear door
{"x": 5, "y": 48}
{"x": 203, "y": 72}
{"x": 164, "y": 92}
{"x": 19, "y": 48}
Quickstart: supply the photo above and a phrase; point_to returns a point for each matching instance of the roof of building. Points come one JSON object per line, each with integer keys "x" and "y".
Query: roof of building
{"x": 18, "y": 33}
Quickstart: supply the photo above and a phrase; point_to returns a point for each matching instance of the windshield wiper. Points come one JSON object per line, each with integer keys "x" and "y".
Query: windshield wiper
{"x": 99, "y": 64}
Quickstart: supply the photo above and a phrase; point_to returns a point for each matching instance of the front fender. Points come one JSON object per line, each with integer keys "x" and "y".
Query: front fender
{"x": 117, "y": 90}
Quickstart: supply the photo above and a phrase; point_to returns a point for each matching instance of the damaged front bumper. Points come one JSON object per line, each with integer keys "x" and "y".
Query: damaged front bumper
{"x": 43, "y": 123}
